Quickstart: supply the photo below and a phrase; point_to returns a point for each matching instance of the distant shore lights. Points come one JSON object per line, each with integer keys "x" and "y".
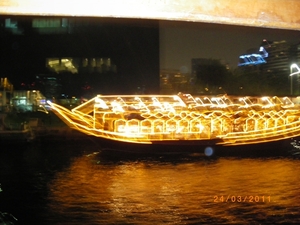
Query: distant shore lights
{"x": 296, "y": 67}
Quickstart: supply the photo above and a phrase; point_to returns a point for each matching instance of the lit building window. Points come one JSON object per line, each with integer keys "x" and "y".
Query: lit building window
{"x": 9, "y": 23}
{"x": 37, "y": 23}
{"x": 62, "y": 65}
{"x": 85, "y": 62}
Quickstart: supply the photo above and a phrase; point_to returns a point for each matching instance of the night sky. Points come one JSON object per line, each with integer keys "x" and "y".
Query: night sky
{"x": 182, "y": 41}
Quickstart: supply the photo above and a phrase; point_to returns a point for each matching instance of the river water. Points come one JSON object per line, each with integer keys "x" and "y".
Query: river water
{"x": 58, "y": 183}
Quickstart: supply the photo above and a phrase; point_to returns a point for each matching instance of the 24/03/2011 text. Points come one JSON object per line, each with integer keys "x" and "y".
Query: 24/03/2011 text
{"x": 239, "y": 198}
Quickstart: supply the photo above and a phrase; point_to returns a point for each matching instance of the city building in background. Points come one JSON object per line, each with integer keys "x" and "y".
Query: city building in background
{"x": 173, "y": 81}
{"x": 20, "y": 100}
{"x": 6, "y": 90}
{"x": 49, "y": 84}
{"x": 254, "y": 58}
{"x": 80, "y": 65}
{"x": 28, "y": 101}
{"x": 85, "y": 56}
{"x": 271, "y": 64}
{"x": 279, "y": 57}
{"x": 80, "y": 57}
{"x": 207, "y": 77}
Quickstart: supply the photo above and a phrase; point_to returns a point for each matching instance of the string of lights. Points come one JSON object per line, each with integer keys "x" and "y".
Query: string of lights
{"x": 148, "y": 118}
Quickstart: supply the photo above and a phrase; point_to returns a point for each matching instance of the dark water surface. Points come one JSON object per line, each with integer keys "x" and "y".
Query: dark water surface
{"x": 63, "y": 183}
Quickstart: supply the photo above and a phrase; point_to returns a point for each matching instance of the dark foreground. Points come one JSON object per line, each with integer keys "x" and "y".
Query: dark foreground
{"x": 76, "y": 182}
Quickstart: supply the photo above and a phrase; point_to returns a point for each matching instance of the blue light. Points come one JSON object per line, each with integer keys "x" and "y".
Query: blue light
{"x": 208, "y": 151}
{"x": 251, "y": 59}
{"x": 263, "y": 52}
{"x": 255, "y": 58}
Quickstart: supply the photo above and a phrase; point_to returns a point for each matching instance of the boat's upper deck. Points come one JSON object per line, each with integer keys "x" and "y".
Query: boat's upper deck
{"x": 181, "y": 102}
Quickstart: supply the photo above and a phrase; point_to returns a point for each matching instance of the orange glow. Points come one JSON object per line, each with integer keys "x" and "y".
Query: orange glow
{"x": 272, "y": 14}
{"x": 148, "y": 118}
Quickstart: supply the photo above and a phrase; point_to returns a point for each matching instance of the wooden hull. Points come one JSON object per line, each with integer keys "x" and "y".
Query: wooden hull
{"x": 205, "y": 148}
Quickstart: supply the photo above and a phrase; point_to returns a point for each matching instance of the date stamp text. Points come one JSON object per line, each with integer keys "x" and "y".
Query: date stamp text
{"x": 240, "y": 198}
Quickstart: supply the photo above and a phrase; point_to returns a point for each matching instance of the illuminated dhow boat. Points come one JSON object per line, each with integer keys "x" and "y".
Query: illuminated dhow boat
{"x": 184, "y": 120}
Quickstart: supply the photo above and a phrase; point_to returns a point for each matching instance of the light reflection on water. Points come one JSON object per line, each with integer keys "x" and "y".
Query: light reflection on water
{"x": 73, "y": 184}
{"x": 156, "y": 191}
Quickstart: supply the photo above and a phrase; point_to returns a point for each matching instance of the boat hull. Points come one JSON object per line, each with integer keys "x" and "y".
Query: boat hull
{"x": 206, "y": 148}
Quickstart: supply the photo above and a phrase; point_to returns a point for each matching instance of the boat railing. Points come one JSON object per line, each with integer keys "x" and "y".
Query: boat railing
{"x": 269, "y": 134}
{"x": 253, "y": 120}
